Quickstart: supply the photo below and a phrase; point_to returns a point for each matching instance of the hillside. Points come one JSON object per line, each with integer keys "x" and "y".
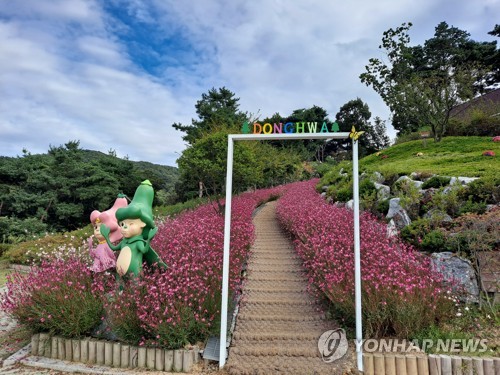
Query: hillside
{"x": 164, "y": 175}
{"x": 453, "y": 156}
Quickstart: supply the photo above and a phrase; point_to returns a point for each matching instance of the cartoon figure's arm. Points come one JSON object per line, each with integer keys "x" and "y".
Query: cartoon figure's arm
{"x": 105, "y": 231}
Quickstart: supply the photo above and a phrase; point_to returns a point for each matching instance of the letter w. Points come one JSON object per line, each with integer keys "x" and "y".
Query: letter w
{"x": 312, "y": 126}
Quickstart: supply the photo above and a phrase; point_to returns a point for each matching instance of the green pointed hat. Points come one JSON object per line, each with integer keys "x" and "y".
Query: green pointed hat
{"x": 141, "y": 206}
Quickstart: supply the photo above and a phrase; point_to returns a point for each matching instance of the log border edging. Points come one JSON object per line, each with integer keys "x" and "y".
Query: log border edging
{"x": 113, "y": 354}
{"x": 432, "y": 364}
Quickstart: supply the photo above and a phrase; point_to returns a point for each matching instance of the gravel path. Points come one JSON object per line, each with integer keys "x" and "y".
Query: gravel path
{"x": 279, "y": 323}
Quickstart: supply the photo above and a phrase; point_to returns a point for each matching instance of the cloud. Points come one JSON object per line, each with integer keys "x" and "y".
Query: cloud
{"x": 116, "y": 74}
{"x": 92, "y": 91}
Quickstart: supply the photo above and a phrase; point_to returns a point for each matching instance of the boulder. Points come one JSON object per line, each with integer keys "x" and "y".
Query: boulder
{"x": 407, "y": 179}
{"x": 377, "y": 177}
{"x": 459, "y": 273}
{"x": 462, "y": 180}
{"x": 398, "y": 214}
{"x": 383, "y": 191}
{"x": 438, "y": 216}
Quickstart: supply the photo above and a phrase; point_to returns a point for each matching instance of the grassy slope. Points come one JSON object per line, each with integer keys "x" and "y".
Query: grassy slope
{"x": 453, "y": 156}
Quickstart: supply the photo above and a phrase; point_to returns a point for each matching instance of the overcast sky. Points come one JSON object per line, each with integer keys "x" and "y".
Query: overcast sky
{"x": 116, "y": 74}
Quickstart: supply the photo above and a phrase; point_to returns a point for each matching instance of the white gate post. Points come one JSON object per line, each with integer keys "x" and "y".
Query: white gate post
{"x": 225, "y": 264}
{"x": 357, "y": 256}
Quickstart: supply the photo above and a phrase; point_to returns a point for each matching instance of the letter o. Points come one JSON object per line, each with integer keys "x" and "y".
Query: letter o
{"x": 267, "y": 128}
{"x": 366, "y": 345}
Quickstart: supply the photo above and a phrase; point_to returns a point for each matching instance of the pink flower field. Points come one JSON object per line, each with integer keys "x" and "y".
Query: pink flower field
{"x": 181, "y": 305}
{"x": 400, "y": 293}
{"x": 170, "y": 308}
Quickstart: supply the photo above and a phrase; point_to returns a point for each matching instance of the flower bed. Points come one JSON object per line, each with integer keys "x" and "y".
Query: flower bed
{"x": 400, "y": 293}
{"x": 161, "y": 308}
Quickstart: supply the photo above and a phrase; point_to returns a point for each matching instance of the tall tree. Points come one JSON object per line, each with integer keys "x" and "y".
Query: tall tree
{"x": 421, "y": 84}
{"x": 205, "y": 162}
{"x": 357, "y": 113}
{"x": 216, "y": 109}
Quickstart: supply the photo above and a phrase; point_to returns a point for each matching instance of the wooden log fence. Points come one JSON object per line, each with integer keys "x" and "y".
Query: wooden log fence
{"x": 113, "y": 354}
{"x": 432, "y": 364}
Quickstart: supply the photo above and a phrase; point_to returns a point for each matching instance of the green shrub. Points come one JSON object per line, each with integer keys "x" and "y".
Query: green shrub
{"x": 471, "y": 233}
{"x": 367, "y": 187}
{"x": 344, "y": 194}
{"x": 415, "y": 232}
{"x": 409, "y": 195}
{"x": 472, "y": 207}
{"x": 485, "y": 126}
{"x": 448, "y": 202}
{"x": 435, "y": 333}
{"x": 13, "y": 230}
{"x": 436, "y": 182}
{"x": 383, "y": 206}
{"x": 433, "y": 242}
{"x": 484, "y": 189}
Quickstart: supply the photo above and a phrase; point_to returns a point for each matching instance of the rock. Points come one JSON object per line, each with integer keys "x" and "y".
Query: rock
{"x": 350, "y": 204}
{"x": 392, "y": 230}
{"x": 377, "y": 177}
{"x": 383, "y": 191}
{"x": 323, "y": 195}
{"x": 459, "y": 272}
{"x": 462, "y": 180}
{"x": 407, "y": 179}
{"x": 324, "y": 188}
{"x": 398, "y": 213}
{"x": 438, "y": 215}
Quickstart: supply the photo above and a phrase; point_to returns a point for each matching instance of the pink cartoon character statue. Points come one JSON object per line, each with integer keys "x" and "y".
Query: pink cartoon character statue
{"x": 103, "y": 256}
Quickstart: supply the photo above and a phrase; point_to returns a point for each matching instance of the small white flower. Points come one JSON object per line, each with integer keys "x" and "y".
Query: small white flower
{"x": 466, "y": 308}
{"x": 459, "y": 314}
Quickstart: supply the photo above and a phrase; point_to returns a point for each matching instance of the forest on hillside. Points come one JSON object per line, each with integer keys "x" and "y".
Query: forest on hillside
{"x": 58, "y": 190}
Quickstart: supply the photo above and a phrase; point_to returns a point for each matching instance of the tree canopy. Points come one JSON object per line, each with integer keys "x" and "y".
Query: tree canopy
{"x": 421, "y": 84}
{"x": 357, "y": 113}
{"x": 217, "y": 108}
{"x": 60, "y": 189}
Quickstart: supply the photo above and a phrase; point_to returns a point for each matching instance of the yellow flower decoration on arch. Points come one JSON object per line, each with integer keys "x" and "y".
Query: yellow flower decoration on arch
{"x": 354, "y": 134}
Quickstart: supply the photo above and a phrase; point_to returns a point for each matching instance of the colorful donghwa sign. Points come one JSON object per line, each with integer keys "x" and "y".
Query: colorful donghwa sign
{"x": 289, "y": 128}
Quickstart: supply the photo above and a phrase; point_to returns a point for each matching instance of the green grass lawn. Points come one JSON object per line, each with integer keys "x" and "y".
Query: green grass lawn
{"x": 453, "y": 156}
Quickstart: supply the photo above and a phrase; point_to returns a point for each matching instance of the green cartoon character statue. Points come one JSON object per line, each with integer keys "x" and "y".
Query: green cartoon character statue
{"x": 138, "y": 228}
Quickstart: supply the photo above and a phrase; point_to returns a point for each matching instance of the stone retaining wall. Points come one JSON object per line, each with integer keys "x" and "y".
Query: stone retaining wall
{"x": 113, "y": 354}
{"x": 394, "y": 364}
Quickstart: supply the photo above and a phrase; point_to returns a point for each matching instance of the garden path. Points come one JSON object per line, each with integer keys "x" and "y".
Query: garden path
{"x": 279, "y": 322}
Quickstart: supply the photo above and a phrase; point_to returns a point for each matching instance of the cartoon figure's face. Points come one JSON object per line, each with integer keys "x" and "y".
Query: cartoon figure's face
{"x": 131, "y": 227}
{"x": 97, "y": 231}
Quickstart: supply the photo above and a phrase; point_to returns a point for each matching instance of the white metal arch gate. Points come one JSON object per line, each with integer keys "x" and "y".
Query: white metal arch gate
{"x": 227, "y": 230}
